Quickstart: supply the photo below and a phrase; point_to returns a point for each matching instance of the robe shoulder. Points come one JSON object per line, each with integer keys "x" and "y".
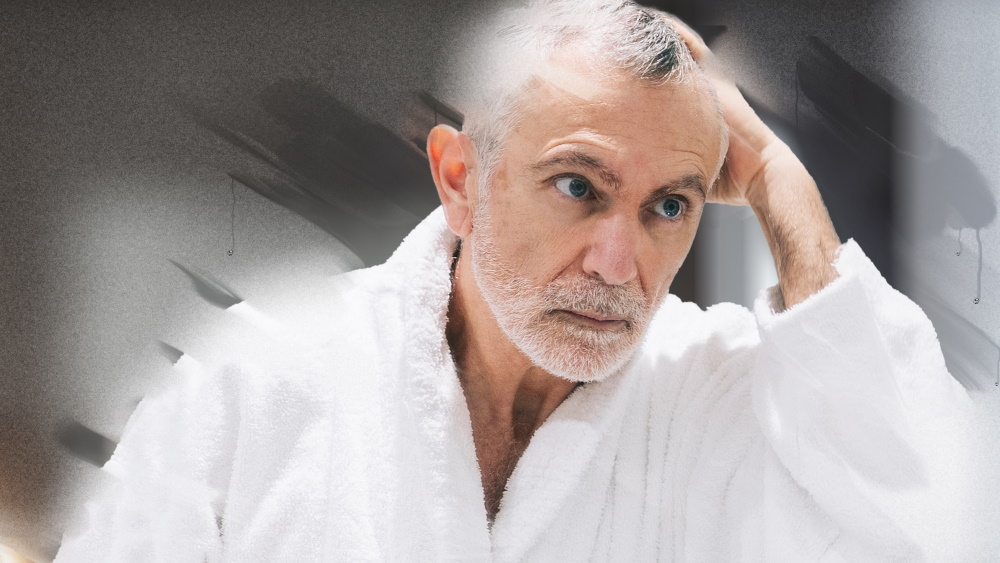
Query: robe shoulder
{"x": 258, "y": 418}
{"x": 335, "y": 341}
{"x": 841, "y": 406}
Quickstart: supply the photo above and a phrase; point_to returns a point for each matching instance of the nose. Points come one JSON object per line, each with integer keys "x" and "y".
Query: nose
{"x": 611, "y": 255}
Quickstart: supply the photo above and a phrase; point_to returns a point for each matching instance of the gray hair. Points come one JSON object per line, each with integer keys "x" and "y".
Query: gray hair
{"x": 615, "y": 37}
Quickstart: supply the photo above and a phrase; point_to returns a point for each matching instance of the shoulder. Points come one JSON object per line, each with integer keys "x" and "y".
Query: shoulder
{"x": 314, "y": 344}
{"x": 697, "y": 364}
{"x": 683, "y": 329}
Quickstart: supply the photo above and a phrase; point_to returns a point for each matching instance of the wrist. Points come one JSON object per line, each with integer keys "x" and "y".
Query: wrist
{"x": 781, "y": 180}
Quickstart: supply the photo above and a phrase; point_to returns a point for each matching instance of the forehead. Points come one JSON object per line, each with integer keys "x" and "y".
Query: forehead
{"x": 665, "y": 129}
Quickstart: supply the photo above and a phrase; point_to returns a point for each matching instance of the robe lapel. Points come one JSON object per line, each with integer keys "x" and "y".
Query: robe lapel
{"x": 556, "y": 462}
{"x": 456, "y": 509}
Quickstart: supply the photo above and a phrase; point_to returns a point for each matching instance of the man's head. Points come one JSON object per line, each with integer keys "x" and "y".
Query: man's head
{"x": 579, "y": 184}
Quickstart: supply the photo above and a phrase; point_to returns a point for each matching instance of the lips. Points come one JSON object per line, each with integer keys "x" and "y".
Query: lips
{"x": 593, "y": 319}
{"x": 596, "y": 316}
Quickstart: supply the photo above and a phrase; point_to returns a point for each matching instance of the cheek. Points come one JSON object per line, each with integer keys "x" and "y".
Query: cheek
{"x": 543, "y": 251}
{"x": 663, "y": 262}
{"x": 535, "y": 246}
{"x": 661, "y": 275}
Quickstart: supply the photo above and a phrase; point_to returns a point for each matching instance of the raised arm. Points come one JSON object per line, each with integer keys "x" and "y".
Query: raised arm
{"x": 762, "y": 172}
{"x": 864, "y": 431}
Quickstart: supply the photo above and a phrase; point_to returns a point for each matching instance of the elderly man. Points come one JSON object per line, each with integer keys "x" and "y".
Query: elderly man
{"x": 516, "y": 383}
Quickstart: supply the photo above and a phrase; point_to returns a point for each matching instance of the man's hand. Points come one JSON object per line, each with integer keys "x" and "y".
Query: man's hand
{"x": 751, "y": 143}
{"x": 762, "y": 172}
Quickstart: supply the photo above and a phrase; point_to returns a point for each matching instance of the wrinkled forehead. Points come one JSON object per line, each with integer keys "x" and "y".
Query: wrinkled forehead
{"x": 573, "y": 71}
{"x": 565, "y": 97}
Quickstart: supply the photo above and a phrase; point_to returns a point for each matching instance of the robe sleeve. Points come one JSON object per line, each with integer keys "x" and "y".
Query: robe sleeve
{"x": 167, "y": 478}
{"x": 862, "y": 422}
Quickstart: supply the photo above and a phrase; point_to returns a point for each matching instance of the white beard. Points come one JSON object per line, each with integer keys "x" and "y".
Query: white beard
{"x": 525, "y": 313}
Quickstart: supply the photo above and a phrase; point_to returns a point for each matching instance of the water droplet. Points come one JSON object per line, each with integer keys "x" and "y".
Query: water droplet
{"x": 979, "y": 271}
{"x": 959, "y": 253}
{"x": 232, "y": 217}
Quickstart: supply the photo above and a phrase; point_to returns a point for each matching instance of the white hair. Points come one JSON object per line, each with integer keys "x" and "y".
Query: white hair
{"x": 612, "y": 37}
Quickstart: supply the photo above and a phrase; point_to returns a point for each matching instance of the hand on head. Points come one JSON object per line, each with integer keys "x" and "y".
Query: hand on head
{"x": 753, "y": 148}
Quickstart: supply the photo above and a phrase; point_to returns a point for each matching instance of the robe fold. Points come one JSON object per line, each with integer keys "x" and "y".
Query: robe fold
{"x": 828, "y": 432}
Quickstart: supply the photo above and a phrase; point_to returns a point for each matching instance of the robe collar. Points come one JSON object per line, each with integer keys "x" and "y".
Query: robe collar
{"x": 559, "y": 453}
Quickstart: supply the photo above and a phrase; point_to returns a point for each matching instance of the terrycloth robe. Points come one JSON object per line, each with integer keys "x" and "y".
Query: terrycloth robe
{"x": 824, "y": 432}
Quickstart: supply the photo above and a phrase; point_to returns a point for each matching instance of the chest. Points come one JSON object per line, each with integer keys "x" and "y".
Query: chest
{"x": 499, "y": 447}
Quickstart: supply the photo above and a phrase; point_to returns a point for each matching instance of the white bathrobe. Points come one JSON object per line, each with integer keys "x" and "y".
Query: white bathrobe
{"x": 825, "y": 432}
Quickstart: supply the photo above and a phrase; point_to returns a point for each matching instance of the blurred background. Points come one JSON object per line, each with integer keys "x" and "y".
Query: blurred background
{"x": 163, "y": 164}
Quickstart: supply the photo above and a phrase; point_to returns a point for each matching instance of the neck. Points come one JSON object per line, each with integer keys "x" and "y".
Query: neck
{"x": 502, "y": 386}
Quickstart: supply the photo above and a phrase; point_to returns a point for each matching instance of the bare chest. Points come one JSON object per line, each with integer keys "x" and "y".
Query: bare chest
{"x": 498, "y": 451}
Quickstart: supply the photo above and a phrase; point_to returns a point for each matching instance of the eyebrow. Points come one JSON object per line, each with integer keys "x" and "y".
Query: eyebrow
{"x": 580, "y": 159}
{"x": 689, "y": 183}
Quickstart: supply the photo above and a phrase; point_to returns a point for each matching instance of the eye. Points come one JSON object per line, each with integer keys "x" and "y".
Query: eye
{"x": 573, "y": 186}
{"x": 670, "y": 207}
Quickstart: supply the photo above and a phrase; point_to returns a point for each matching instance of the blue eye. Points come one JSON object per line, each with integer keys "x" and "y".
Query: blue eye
{"x": 669, "y": 207}
{"x": 573, "y": 187}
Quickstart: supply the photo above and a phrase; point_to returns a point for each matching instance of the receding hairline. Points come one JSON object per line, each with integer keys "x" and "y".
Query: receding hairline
{"x": 617, "y": 38}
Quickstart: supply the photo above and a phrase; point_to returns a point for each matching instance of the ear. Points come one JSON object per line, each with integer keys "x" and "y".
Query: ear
{"x": 453, "y": 166}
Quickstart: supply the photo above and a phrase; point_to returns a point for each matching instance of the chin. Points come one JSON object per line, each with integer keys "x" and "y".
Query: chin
{"x": 575, "y": 354}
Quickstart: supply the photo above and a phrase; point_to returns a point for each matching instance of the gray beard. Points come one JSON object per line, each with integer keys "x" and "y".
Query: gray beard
{"x": 526, "y": 313}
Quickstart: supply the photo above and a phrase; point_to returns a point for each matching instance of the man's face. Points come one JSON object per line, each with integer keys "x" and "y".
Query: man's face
{"x": 591, "y": 211}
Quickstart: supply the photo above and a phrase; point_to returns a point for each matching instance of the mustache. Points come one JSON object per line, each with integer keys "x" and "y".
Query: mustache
{"x": 587, "y": 294}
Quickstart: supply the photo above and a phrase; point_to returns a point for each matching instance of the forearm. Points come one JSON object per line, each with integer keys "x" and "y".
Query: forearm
{"x": 796, "y": 224}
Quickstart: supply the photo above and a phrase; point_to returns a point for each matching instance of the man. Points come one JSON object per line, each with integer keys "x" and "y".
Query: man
{"x": 515, "y": 383}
